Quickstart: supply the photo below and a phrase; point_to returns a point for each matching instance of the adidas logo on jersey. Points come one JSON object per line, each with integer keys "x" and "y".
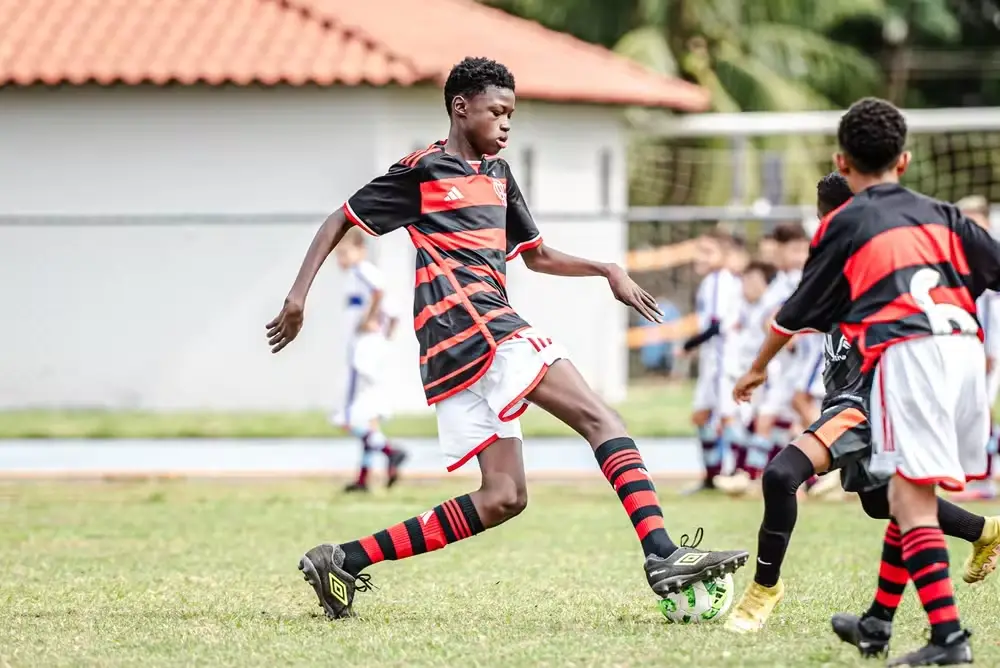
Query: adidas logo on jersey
{"x": 454, "y": 194}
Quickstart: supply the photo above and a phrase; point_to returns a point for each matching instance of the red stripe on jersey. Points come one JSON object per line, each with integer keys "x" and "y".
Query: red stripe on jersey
{"x": 449, "y": 302}
{"x": 456, "y": 372}
{"x": 467, "y": 334}
{"x": 492, "y": 239}
{"x": 903, "y": 247}
{"x": 432, "y": 271}
{"x": 825, "y": 223}
{"x": 462, "y": 191}
{"x": 412, "y": 159}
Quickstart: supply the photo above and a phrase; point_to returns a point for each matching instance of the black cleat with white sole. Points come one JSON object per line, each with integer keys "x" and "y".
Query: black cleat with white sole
{"x": 869, "y": 634}
{"x": 322, "y": 568}
{"x": 687, "y": 565}
{"x": 955, "y": 652}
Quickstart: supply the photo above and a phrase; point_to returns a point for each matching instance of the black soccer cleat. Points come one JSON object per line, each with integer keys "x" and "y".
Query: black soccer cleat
{"x": 355, "y": 487}
{"x": 396, "y": 460}
{"x": 956, "y": 652}
{"x": 687, "y": 565}
{"x": 869, "y": 634}
{"x": 322, "y": 568}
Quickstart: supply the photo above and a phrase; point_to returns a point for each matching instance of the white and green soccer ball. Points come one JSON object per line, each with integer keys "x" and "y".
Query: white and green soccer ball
{"x": 699, "y": 602}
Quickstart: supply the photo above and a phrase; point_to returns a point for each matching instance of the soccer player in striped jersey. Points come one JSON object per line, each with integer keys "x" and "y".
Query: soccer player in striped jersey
{"x": 838, "y": 440}
{"x": 901, "y": 272}
{"x": 481, "y": 363}
{"x": 370, "y": 322}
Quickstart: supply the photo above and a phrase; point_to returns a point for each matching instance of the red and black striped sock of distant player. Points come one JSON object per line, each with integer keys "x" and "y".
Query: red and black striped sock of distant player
{"x": 622, "y": 465}
{"x": 442, "y": 525}
{"x": 366, "y": 462}
{"x": 925, "y": 555}
{"x": 892, "y": 576}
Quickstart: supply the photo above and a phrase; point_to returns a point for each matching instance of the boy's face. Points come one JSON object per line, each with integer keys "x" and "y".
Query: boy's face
{"x": 793, "y": 255}
{"x": 348, "y": 255}
{"x": 484, "y": 119}
{"x": 709, "y": 256}
{"x": 767, "y": 250}
{"x": 737, "y": 260}
{"x": 754, "y": 286}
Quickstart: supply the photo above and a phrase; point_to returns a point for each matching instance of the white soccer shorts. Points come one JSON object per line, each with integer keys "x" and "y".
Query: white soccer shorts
{"x": 488, "y": 410}
{"x": 808, "y": 365}
{"x": 713, "y": 390}
{"x": 364, "y": 397}
{"x": 929, "y": 411}
{"x": 779, "y": 388}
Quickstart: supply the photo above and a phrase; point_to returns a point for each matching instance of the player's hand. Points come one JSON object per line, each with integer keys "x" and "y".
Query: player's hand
{"x": 629, "y": 293}
{"x": 745, "y": 386}
{"x": 368, "y": 326}
{"x": 286, "y": 326}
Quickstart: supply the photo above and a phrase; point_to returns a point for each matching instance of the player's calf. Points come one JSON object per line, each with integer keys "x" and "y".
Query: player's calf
{"x": 564, "y": 394}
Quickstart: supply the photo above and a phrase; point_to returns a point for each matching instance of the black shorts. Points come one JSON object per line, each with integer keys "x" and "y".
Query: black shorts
{"x": 844, "y": 430}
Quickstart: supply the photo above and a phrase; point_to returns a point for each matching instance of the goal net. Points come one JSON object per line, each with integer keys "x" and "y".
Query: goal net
{"x": 751, "y": 171}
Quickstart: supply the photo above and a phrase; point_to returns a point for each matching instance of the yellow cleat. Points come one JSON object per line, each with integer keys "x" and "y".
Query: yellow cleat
{"x": 985, "y": 553}
{"x": 754, "y": 608}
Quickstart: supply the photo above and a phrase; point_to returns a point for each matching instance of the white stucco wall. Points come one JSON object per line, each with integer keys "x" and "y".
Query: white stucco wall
{"x": 145, "y": 311}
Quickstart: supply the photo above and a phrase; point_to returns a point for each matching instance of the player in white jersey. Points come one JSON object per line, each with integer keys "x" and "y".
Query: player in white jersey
{"x": 717, "y": 309}
{"x": 977, "y": 209}
{"x": 774, "y": 413}
{"x": 370, "y": 323}
{"x": 749, "y": 335}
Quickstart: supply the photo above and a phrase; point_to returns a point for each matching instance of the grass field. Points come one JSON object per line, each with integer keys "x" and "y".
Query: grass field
{"x": 204, "y": 574}
{"x": 650, "y": 411}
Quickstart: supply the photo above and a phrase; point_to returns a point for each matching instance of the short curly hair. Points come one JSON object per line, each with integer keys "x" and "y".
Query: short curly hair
{"x": 473, "y": 76}
{"x": 873, "y": 135}
{"x": 831, "y": 192}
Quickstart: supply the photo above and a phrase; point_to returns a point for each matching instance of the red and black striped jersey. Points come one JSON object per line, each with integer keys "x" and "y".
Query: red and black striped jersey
{"x": 891, "y": 265}
{"x": 466, "y": 220}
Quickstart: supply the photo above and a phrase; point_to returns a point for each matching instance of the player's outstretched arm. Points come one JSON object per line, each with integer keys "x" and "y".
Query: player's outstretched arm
{"x": 547, "y": 260}
{"x": 286, "y": 325}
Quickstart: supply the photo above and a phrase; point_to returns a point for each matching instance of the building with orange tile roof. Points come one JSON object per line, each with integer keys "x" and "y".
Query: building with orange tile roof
{"x": 164, "y": 162}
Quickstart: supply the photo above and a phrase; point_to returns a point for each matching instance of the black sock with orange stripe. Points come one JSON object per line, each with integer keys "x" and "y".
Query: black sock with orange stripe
{"x": 892, "y": 576}
{"x": 622, "y": 465}
{"x": 926, "y": 557}
{"x": 448, "y": 523}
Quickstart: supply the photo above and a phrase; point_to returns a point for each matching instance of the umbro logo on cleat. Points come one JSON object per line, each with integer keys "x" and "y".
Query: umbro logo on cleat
{"x": 690, "y": 559}
{"x": 454, "y": 194}
{"x": 338, "y": 589}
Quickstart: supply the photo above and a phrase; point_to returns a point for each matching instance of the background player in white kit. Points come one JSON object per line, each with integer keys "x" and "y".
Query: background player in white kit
{"x": 977, "y": 209}
{"x": 748, "y": 463}
{"x": 370, "y": 323}
{"x": 717, "y": 307}
{"x": 773, "y": 412}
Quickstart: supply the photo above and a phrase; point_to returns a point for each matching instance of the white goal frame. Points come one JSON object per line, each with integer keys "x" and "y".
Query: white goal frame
{"x": 740, "y": 127}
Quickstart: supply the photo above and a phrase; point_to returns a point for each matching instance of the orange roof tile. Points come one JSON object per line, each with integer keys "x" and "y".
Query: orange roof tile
{"x": 296, "y": 42}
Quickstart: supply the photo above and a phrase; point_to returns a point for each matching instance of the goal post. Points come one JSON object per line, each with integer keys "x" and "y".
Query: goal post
{"x": 750, "y": 171}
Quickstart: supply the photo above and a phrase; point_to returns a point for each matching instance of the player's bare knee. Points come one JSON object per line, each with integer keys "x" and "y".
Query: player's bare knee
{"x": 503, "y": 497}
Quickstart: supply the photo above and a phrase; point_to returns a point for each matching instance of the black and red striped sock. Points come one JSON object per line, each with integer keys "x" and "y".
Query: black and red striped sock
{"x": 622, "y": 465}
{"x": 448, "y": 523}
{"x": 892, "y": 576}
{"x": 926, "y": 557}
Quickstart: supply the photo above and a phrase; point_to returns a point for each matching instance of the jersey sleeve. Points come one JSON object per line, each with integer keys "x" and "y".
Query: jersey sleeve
{"x": 522, "y": 233}
{"x": 982, "y": 254}
{"x": 388, "y": 202}
{"x": 823, "y": 295}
